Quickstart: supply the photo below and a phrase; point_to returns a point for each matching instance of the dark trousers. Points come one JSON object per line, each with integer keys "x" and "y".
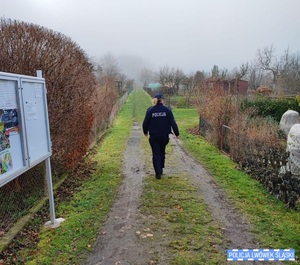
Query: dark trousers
{"x": 158, "y": 147}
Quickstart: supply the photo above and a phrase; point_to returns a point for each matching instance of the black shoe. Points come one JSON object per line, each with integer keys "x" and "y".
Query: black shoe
{"x": 158, "y": 176}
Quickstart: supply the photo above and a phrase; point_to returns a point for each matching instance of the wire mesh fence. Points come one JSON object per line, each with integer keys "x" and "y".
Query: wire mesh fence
{"x": 19, "y": 195}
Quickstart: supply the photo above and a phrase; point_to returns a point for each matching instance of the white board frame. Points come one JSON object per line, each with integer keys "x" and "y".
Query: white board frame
{"x": 36, "y": 120}
{"x": 33, "y": 148}
{"x": 28, "y": 99}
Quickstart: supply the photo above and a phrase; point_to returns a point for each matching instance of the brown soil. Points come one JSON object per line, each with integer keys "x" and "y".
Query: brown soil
{"x": 118, "y": 242}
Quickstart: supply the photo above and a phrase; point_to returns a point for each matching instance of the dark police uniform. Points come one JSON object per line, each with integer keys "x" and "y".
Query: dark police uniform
{"x": 159, "y": 121}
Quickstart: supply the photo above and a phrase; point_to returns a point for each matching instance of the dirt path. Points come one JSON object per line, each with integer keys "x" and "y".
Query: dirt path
{"x": 118, "y": 243}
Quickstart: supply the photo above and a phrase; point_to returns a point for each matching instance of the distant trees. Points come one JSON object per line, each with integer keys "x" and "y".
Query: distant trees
{"x": 110, "y": 69}
{"x": 132, "y": 66}
{"x": 267, "y": 61}
{"x": 191, "y": 83}
{"x": 290, "y": 72}
{"x": 109, "y": 65}
{"x": 107, "y": 70}
{"x": 281, "y": 73}
{"x": 170, "y": 79}
{"x": 216, "y": 72}
{"x": 146, "y": 76}
{"x": 285, "y": 70}
{"x": 255, "y": 77}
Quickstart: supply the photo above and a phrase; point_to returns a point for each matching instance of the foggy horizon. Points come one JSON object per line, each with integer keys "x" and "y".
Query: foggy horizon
{"x": 191, "y": 35}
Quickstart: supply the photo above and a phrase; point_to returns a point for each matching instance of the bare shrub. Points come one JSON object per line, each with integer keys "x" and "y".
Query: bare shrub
{"x": 252, "y": 138}
{"x": 102, "y": 101}
{"x": 216, "y": 107}
{"x": 75, "y": 102}
{"x": 255, "y": 143}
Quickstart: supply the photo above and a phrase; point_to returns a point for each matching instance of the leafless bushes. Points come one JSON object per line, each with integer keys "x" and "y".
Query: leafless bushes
{"x": 255, "y": 143}
{"x": 215, "y": 108}
{"x": 76, "y": 104}
{"x": 219, "y": 108}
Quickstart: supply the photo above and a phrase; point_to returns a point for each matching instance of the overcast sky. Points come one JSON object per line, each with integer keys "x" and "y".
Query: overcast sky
{"x": 187, "y": 34}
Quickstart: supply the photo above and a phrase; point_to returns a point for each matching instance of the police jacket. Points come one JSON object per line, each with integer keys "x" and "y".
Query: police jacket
{"x": 159, "y": 122}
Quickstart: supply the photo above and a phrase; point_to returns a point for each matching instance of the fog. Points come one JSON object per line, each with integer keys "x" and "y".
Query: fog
{"x": 191, "y": 34}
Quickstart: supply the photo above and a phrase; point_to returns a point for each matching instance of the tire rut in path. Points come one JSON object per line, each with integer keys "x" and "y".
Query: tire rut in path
{"x": 236, "y": 228}
{"x": 117, "y": 240}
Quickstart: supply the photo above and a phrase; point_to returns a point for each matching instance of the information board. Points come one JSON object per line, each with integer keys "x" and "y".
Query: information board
{"x": 24, "y": 125}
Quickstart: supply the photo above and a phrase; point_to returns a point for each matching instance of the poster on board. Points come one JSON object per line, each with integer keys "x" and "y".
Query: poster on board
{"x": 9, "y": 127}
{"x": 24, "y": 126}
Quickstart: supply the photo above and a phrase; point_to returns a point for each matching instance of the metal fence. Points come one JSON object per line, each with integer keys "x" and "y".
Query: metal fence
{"x": 225, "y": 139}
{"x": 19, "y": 195}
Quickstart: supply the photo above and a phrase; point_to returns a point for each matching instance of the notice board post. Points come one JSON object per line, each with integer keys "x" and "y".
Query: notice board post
{"x": 24, "y": 129}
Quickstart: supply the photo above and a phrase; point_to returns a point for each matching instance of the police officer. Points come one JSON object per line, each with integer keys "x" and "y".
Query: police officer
{"x": 159, "y": 123}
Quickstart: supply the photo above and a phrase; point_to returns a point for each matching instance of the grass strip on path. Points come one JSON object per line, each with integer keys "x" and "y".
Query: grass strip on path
{"x": 184, "y": 232}
{"x": 180, "y": 222}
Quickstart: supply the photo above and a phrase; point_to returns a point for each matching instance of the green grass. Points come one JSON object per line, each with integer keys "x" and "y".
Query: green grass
{"x": 182, "y": 220}
{"x": 84, "y": 214}
{"x": 274, "y": 225}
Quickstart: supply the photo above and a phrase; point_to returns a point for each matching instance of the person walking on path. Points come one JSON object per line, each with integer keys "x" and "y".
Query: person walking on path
{"x": 159, "y": 122}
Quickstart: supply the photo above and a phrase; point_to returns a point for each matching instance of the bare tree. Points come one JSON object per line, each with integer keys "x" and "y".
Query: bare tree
{"x": 178, "y": 78}
{"x": 255, "y": 76}
{"x": 110, "y": 65}
{"x": 132, "y": 66}
{"x": 215, "y": 71}
{"x": 290, "y": 72}
{"x": 163, "y": 76}
{"x": 268, "y": 62}
{"x": 242, "y": 71}
{"x": 146, "y": 76}
{"x": 108, "y": 72}
{"x": 170, "y": 79}
{"x": 191, "y": 82}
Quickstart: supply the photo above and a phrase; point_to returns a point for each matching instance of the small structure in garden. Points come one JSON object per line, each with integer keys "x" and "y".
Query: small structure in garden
{"x": 293, "y": 147}
{"x": 232, "y": 86}
{"x": 290, "y": 125}
{"x": 288, "y": 119}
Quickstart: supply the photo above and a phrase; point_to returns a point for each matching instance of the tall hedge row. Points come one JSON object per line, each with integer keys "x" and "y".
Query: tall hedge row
{"x": 269, "y": 107}
{"x": 76, "y": 103}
